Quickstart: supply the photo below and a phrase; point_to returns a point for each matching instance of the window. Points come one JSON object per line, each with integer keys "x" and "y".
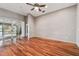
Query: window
{"x": 8, "y": 30}
{"x": 0, "y": 31}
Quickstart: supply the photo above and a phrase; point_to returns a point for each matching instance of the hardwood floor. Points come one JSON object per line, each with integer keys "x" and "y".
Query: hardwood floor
{"x": 40, "y": 47}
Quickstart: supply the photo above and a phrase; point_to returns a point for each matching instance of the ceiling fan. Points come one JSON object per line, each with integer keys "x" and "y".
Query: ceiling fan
{"x": 37, "y": 7}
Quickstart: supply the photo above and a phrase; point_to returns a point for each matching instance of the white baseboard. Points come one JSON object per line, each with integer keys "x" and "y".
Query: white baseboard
{"x": 57, "y": 39}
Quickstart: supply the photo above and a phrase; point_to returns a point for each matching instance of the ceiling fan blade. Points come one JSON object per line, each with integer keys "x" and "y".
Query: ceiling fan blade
{"x": 29, "y": 4}
{"x": 39, "y": 9}
{"x": 42, "y": 5}
{"x": 32, "y": 9}
{"x": 43, "y": 11}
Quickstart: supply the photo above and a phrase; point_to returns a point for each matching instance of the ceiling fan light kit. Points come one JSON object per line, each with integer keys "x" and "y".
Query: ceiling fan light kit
{"x": 45, "y": 6}
{"x": 37, "y": 7}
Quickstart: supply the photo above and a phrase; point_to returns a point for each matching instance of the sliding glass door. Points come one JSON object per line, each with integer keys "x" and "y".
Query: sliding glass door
{"x": 0, "y": 31}
{"x": 9, "y": 32}
{"x": 1, "y": 36}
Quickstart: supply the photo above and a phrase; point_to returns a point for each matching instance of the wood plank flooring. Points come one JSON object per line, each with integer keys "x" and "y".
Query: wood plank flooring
{"x": 40, "y": 47}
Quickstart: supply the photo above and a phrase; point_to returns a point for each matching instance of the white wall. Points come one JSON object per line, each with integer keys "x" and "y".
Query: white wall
{"x": 31, "y": 26}
{"x": 60, "y": 25}
{"x": 77, "y": 27}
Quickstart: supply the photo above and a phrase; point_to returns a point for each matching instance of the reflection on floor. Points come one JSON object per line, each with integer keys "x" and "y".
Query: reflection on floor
{"x": 40, "y": 47}
{"x": 7, "y": 41}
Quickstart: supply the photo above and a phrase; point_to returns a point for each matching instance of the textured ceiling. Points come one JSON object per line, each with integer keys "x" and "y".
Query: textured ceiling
{"x": 23, "y": 9}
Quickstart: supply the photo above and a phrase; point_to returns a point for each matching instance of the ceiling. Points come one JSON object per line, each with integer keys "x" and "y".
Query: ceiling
{"x": 23, "y": 9}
